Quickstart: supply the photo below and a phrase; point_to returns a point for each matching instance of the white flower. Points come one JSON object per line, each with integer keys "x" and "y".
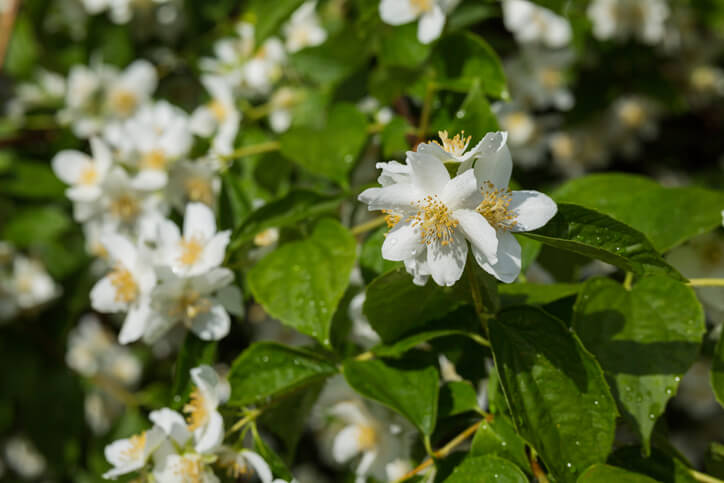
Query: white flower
{"x": 127, "y": 287}
{"x": 84, "y": 173}
{"x": 131, "y": 454}
{"x": 194, "y": 181}
{"x": 539, "y": 78}
{"x": 200, "y": 303}
{"x": 281, "y": 103}
{"x": 431, "y": 215}
{"x": 578, "y": 151}
{"x": 100, "y": 410}
{"x": 219, "y": 115}
{"x": 156, "y": 136}
{"x": 362, "y": 332}
{"x": 29, "y": 285}
{"x": 431, "y": 14}
{"x": 525, "y": 133}
{"x": 303, "y": 29}
{"x": 200, "y": 249}
{"x": 621, "y": 19}
{"x": 265, "y": 68}
{"x": 532, "y": 23}
{"x": 244, "y": 462}
{"x": 184, "y": 468}
{"x": 24, "y": 458}
{"x": 203, "y": 417}
{"x": 631, "y": 120}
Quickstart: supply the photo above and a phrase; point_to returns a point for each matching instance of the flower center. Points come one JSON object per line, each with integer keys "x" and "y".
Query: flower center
{"x": 632, "y": 114}
{"x": 434, "y": 219}
{"x": 455, "y": 146}
{"x": 154, "y": 160}
{"x": 25, "y": 284}
{"x": 562, "y": 146}
{"x": 135, "y": 450}
{"x": 191, "y": 249}
{"x": 421, "y": 6}
{"x": 495, "y": 207}
{"x": 125, "y": 207}
{"x": 218, "y": 110}
{"x": 236, "y": 466}
{"x": 190, "y": 305}
{"x": 123, "y": 101}
{"x": 198, "y": 189}
{"x": 88, "y": 175}
{"x": 367, "y": 437}
{"x": 520, "y": 127}
{"x": 391, "y": 218}
{"x": 550, "y": 78}
{"x": 125, "y": 285}
{"x": 196, "y": 410}
{"x": 703, "y": 78}
{"x": 190, "y": 469}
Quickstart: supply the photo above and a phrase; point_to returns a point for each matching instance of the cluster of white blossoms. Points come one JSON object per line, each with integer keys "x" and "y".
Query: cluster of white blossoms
{"x": 433, "y": 216}
{"x": 122, "y": 11}
{"x": 178, "y": 449}
{"x": 622, "y": 19}
{"x": 25, "y": 284}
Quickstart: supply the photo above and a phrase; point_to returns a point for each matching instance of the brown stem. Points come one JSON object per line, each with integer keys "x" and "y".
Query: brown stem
{"x": 6, "y": 28}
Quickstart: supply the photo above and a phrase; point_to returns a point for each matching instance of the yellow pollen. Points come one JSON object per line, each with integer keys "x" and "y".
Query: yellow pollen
{"x": 154, "y": 159}
{"x": 550, "y": 78}
{"x": 196, "y": 410}
{"x": 137, "y": 445}
{"x": 125, "y": 207}
{"x": 421, "y": 6}
{"x": 517, "y": 120}
{"x": 218, "y": 110}
{"x": 236, "y": 468}
{"x": 434, "y": 221}
{"x": 391, "y": 218}
{"x": 199, "y": 189}
{"x": 190, "y": 470}
{"x": 125, "y": 285}
{"x": 123, "y": 101}
{"x": 191, "y": 249}
{"x": 190, "y": 305}
{"x": 632, "y": 114}
{"x": 88, "y": 175}
{"x": 495, "y": 207}
{"x": 455, "y": 146}
{"x": 367, "y": 437}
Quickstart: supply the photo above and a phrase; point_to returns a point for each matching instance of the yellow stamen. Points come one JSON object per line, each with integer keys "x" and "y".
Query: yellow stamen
{"x": 189, "y": 306}
{"x": 434, "y": 221}
{"x": 236, "y": 467}
{"x": 367, "y": 437}
{"x": 196, "y": 410}
{"x": 199, "y": 189}
{"x": 391, "y": 218}
{"x": 421, "y": 6}
{"x": 125, "y": 207}
{"x": 154, "y": 159}
{"x": 124, "y": 283}
{"x": 495, "y": 207}
{"x": 89, "y": 175}
{"x": 218, "y": 110}
{"x": 550, "y": 78}
{"x": 137, "y": 445}
{"x": 191, "y": 249}
{"x": 632, "y": 114}
{"x": 190, "y": 470}
{"x": 455, "y": 146}
{"x": 123, "y": 102}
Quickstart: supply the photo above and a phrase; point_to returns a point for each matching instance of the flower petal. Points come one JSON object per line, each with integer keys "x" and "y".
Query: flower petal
{"x": 431, "y": 25}
{"x": 103, "y": 297}
{"x": 429, "y": 174}
{"x": 212, "y": 325}
{"x": 397, "y": 12}
{"x": 172, "y": 423}
{"x": 346, "y": 444}
{"x": 199, "y": 220}
{"x": 120, "y": 249}
{"x": 478, "y": 231}
{"x": 68, "y": 165}
{"x": 534, "y": 209}
{"x": 135, "y": 323}
{"x": 494, "y": 162}
{"x": 462, "y": 192}
{"x": 447, "y": 262}
{"x": 210, "y": 435}
{"x": 102, "y": 156}
{"x": 396, "y": 197}
{"x": 261, "y": 468}
{"x": 507, "y": 268}
{"x": 402, "y": 242}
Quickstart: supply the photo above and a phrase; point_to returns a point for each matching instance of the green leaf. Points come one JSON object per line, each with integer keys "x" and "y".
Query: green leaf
{"x": 394, "y": 305}
{"x": 645, "y": 339}
{"x": 487, "y": 469}
{"x": 394, "y": 136}
{"x": 659, "y": 465}
{"x": 399, "y": 46}
{"x": 530, "y": 249}
{"x": 408, "y": 386}
{"x": 536, "y": 294}
{"x": 36, "y": 226}
{"x": 276, "y": 464}
{"x": 475, "y": 117}
{"x": 335, "y": 60}
{"x": 497, "y": 437}
{"x": 332, "y": 150}
{"x": 193, "y": 353}
{"x": 32, "y": 180}
{"x": 295, "y": 206}
{"x": 467, "y": 59}
{"x": 554, "y": 388}
{"x": 667, "y": 216}
{"x": 269, "y": 369}
{"x": 269, "y": 16}
{"x": 23, "y": 49}
{"x": 592, "y": 234}
{"x": 370, "y": 258}
{"x": 607, "y": 474}
{"x": 717, "y": 370}
{"x": 301, "y": 283}
{"x": 233, "y": 203}
{"x": 456, "y": 397}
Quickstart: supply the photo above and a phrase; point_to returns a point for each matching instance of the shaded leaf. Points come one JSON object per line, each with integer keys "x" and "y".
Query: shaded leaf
{"x": 605, "y": 474}
{"x": 497, "y": 437}
{"x": 487, "y": 469}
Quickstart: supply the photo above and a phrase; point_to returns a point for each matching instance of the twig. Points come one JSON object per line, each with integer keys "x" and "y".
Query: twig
{"x": 252, "y": 149}
{"x": 706, "y": 282}
{"x": 538, "y": 472}
{"x": 7, "y": 21}
{"x": 628, "y": 281}
{"x": 425, "y": 115}
{"x": 368, "y": 225}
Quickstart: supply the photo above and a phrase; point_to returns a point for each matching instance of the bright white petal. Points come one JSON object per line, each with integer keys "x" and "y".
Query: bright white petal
{"x": 172, "y": 423}
{"x": 478, "y": 231}
{"x": 150, "y": 180}
{"x": 84, "y": 193}
{"x": 199, "y": 221}
{"x": 212, "y": 325}
{"x": 462, "y": 192}
{"x": 396, "y": 197}
{"x": 402, "y": 242}
{"x": 346, "y": 444}
{"x": 69, "y": 165}
{"x": 533, "y": 210}
{"x": 135, "y": 323}
{"x": 431, "y": 25}
{"x": 397, "y": 12}
{"x": 429, "y": 174}
{"x": 103, "y": 297}
{"x": 447, "y": 262}
{"x": 261, "y": 468}
{"x": 102, "y": 156}
{"x": 202, "y": 122}
{"x": 507, "y": 268}
{"x": 210, "y": 436}
{"x": 494, "y": 162}
{"x": 120, "y": 249}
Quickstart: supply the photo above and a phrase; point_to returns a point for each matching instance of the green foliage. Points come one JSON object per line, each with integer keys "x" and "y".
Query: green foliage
{"x": 456, "y": 397}
{"x": 486, "y": 469}
{"x": 498, "y": 437}
{"x": 605, "y": 473}
{"x": 643, "y": 348}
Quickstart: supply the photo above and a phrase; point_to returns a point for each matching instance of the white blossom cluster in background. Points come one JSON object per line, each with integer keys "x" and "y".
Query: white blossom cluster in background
{"x": 25, "y": 284}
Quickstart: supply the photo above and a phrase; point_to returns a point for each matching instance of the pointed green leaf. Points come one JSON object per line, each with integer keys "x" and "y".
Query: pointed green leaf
{"x": 498, "y": 437}
{"x": 607, "y": 474}
{"x": 456, "y": 397}
{"x": 466, "y": 59}
{"x": 554, "y": 388}
{"x": 487, "y": 469}
{"x": 659, "y": 465}
{"x": 645, "y": 339}
{"x": 717, "y": 370}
